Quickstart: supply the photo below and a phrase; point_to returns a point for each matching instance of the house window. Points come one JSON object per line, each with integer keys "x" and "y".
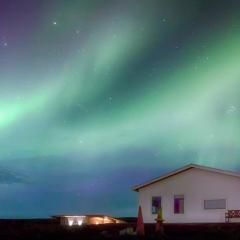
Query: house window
{"x": 156, "y": 204}
{"x": 178, "y": 204}
{"x": 215, "y": 204}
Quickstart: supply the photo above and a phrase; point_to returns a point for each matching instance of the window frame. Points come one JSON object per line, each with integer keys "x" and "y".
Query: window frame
{"x": 178, "y": 196}
{"x": 153, "y": 212}
{"x": 215, "y": 208}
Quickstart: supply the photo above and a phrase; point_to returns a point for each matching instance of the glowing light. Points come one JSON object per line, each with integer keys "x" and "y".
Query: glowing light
{"x": 70, "y": 222}
{"x": 79, "y": 221}
{"x": 106, "y": 220}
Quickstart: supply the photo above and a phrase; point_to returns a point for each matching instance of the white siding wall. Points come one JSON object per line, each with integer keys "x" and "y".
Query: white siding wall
{"x": 196, "y": 185}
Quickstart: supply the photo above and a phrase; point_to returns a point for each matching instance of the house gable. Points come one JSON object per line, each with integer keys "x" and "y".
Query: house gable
{"x": 184, "y": 169}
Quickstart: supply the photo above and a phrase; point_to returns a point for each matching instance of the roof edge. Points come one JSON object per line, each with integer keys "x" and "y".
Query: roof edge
{"x": 183, "y": 169}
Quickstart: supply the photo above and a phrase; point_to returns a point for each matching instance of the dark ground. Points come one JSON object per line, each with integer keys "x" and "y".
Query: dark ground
{"x": 48, "y": 229}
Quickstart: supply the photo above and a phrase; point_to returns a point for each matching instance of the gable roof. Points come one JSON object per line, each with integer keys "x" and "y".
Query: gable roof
{"x": 183, "y": 169}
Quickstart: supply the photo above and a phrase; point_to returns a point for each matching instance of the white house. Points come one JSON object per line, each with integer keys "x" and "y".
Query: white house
{"x": 191, "y": 194}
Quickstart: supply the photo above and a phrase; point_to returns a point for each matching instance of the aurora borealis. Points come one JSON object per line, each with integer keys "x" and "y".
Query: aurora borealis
{"x": 99, "y": 95}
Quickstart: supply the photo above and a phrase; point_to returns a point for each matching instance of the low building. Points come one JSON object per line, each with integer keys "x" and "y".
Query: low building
{"x": 191, "y": 194}
{"x": 79, "y": 220}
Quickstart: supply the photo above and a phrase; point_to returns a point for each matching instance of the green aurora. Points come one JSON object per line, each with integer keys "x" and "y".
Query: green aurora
{"x": 95, "y": 91}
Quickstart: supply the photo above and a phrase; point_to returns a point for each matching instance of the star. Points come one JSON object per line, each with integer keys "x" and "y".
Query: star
{"x": 232, "y": 109}
{"x": 4, "y": 44}
{"x": 54, "y": 23}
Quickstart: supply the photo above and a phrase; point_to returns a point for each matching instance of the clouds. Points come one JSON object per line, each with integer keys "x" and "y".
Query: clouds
{"x": 8, "y": 176}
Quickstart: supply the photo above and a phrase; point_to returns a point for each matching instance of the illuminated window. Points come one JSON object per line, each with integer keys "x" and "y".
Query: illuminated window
{"x": 79, "y": 221}
{"x": 75, "y": 220}
{"x": 215, "y": 204}
{"x": 156, "y": 204}
{"x": 178, "y": 204}
{"x": 70, "y": 222}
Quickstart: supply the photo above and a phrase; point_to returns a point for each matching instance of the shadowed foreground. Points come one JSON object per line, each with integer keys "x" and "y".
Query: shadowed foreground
{"x": 50, "y": 229}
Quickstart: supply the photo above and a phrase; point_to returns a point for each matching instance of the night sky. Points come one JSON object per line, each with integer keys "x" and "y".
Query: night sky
{"x": 97, "y": 96}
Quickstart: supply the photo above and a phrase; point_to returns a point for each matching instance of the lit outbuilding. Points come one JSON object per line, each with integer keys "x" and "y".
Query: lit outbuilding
{"x": 79, "y": 220}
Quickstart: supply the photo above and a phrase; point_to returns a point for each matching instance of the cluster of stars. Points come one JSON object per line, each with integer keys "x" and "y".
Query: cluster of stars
{"x": 4, "y": 43}
{"x": 231, "y": 109}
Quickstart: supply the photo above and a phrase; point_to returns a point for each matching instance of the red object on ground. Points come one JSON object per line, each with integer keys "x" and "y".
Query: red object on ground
{"x": 159, "y": 226}
{"x": 140, "y": 225}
